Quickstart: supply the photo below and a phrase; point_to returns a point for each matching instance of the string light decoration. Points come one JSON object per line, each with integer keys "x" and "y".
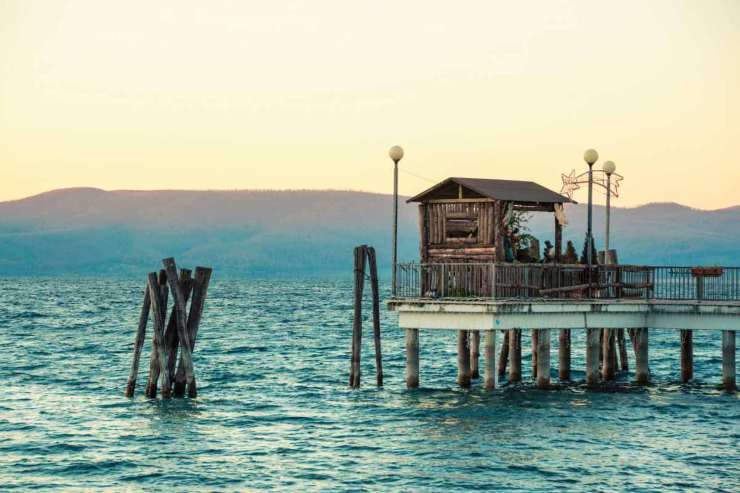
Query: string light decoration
{"x": 573, "y": 182}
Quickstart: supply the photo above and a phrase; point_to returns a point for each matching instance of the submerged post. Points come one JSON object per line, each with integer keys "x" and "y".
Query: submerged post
{"x": 543, "y": 358}
{"x": 687, "y": 355}
{"x": 474, "y": 354}
{"x": 489, "y": 357}
{"x": 515, "y": 355}
{"x": 564, "y": 355}
{"x": 412, "y": 358}
{"x": 592, "y": 356}
{"x": 463, "y": 359}
{"x": 728, "y": 360}
{"x": 642, "y": 371}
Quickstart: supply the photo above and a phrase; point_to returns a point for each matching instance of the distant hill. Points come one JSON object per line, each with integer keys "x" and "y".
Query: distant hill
{"x": 88, "y": 231}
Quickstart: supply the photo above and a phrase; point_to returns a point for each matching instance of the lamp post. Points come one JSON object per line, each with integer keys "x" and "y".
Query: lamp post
{"x": 396, "y": 154}
{"x": 608, "y": 168}
{"x": 590, "y": 156}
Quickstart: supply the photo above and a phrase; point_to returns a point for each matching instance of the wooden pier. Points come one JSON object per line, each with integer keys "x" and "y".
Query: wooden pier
{"x": 472, "y": 280}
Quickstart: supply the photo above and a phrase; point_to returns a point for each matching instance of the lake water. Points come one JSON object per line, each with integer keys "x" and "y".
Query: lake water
{"x": 274, "y": 411}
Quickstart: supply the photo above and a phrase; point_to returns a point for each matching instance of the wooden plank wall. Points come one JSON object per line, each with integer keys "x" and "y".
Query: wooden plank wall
{"x": 436, "y": 245}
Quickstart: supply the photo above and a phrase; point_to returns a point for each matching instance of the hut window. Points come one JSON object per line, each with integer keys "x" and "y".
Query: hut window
{"x": 461, "y": 226}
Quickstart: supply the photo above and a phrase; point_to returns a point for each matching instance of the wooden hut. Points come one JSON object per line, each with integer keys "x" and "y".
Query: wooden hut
{"x": 462, "y": 219}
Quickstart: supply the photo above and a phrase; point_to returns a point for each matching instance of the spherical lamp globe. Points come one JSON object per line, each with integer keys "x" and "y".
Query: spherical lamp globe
{"x": 609, "y": 167}
{"x": 590, "y": 156}
{"x": 396, "y": 153}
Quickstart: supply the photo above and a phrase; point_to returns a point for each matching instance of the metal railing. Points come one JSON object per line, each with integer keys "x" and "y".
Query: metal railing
{"x": 514, "y": 281}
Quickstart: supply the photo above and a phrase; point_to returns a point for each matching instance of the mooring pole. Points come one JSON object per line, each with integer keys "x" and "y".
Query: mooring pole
{"x": 564, "y": 355}
{"x": 728, "y": 360}
{"x": 592, "y": 356}
{"x": 489, "y": 356}
{"x": 543, "y": 358}
{"x": 138, "y": 344}
{"x": 474, "y": 354}
{"x": 642, "y": 371}
{"x": 376, "y": 314}
{"x": 463, "y": 359}
{"x": 515, "y": 355}
{"x": 687, "y": 355}
{"x": 354, "y": 376}
{"x": 412, "y": 358}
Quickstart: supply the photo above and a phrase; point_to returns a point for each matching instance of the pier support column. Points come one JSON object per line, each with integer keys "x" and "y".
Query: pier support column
{"x": 535, "y": 334}
{"x": 474, "y": 353}
{"x": 687, "y": 355}
{"x": 515, "y": 355}
{"x": 642, "y": 371}
{"x": 489, "y": 358}
{"x": 564, "y": 356}
{"x": 728, "y": 360}
{"x": 463, "y": 359}
{"x": 593, "y": 338}
{"x": 543, "y": 358}
{"x": 608, "y": 366}
{"x": 412, "y": 358}
{"x": 504, "y": 355}
{"x": 623, "y": 359}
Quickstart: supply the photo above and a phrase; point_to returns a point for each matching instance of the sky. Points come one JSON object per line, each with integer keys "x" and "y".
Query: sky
{"x": 294, "y": 95}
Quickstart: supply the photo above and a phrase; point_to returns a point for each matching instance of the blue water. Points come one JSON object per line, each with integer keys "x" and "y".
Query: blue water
{"x": 274, "y": 411}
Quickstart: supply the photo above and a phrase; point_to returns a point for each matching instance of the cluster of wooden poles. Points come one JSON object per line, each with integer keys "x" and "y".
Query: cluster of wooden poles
{"x": 171, "y": 372}
{"x": 606, "y": 354}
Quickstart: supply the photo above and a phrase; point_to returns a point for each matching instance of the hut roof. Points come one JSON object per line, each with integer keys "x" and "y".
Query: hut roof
{"x": 507, "y": 190}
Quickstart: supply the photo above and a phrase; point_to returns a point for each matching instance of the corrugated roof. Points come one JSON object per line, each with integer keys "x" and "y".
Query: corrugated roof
{"x": 508, "y": 190}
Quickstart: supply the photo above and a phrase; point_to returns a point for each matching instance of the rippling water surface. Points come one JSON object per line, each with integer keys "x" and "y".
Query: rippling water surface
{"x": 274, "y": 411}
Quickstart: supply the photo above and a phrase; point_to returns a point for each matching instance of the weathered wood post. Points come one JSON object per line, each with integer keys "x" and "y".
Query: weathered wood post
{"x": 155, "y": 364}
{"x": 728, "y": 360}
{"x": 687, "y": 355}
{"x": 608, "y": 367}
{"x": 489, "y": 356}
{"x": 564, "y": 355}
{"x": 412, "y": 358}
{"x": 354, "y": 375}
{"x": 515, "y": 355}
{"x": 138, "y": 343}
{"x": 186, "y": 353}
{"x": 623, "y": 359}
{"x": 535, "y": 334}
{"x": 158, "y": 312}
{"x": 463, "y": 359}
{"x": 474, "y": 354}
{"x": 592, "y": 356}
{"x": 171, "y": 339}
{"x": 504, "y": 355}
{"x": 642, "y": 371}
{"x": 543, "y": 358}
{"x": 376, "y": 315}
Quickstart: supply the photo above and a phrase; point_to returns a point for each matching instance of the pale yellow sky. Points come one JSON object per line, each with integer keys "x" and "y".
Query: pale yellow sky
{"x": 258, "y": 94}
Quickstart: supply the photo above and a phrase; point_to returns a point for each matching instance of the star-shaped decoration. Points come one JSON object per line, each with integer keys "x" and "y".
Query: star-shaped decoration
{"x": 570, "y": 184}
